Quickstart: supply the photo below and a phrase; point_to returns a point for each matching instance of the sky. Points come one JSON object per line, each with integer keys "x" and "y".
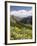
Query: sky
{"x": 21, "y": 11}
{"x": 15, "y": 8}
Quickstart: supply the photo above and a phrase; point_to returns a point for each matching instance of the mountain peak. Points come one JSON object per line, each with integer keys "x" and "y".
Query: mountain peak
{"x": 21, "y": 13}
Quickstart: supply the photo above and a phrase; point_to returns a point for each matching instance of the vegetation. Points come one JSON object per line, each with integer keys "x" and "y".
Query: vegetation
{"x": 20, "y": 30}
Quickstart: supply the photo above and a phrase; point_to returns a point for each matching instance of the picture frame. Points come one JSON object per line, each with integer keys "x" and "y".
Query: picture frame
{"x": 20, "y": 12}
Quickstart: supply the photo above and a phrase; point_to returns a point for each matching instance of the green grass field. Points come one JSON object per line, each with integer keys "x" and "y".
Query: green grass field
{"x": 20, "y": 31}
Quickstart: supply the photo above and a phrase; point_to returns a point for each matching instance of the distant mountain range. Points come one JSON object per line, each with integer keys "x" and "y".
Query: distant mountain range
{"x": 25, "y": 20}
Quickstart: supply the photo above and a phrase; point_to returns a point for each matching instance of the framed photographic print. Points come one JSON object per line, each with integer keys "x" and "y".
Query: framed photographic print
{"x": 20, "y": 22}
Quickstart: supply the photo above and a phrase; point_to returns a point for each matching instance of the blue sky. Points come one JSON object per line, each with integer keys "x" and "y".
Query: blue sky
{"x": 21, "y": 11}
{"x": 16, "y": 8}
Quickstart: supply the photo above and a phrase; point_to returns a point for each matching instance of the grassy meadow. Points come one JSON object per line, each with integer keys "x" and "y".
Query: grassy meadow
{"x": 20, "y": 31}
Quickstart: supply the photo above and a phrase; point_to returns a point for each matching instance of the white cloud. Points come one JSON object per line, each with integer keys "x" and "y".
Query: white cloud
{"x": 22, "y": 13}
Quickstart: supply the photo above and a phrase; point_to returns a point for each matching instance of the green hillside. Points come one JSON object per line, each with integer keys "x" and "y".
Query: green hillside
{"x": 19, "y": 30}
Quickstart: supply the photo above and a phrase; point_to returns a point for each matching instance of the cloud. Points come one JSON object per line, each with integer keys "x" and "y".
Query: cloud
{"x": 22, "y": 13}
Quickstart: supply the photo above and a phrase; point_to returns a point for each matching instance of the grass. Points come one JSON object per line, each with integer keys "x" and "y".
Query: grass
{"x": 18, "y": 31}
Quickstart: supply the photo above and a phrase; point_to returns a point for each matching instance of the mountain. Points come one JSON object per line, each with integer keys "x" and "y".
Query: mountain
{"x": 24, "y": 20}
{"x": 16, "y": 17}
{"x": 21, "y": 13}
{"x": 14, "y": 20}
{"x": 27, "y": 20}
